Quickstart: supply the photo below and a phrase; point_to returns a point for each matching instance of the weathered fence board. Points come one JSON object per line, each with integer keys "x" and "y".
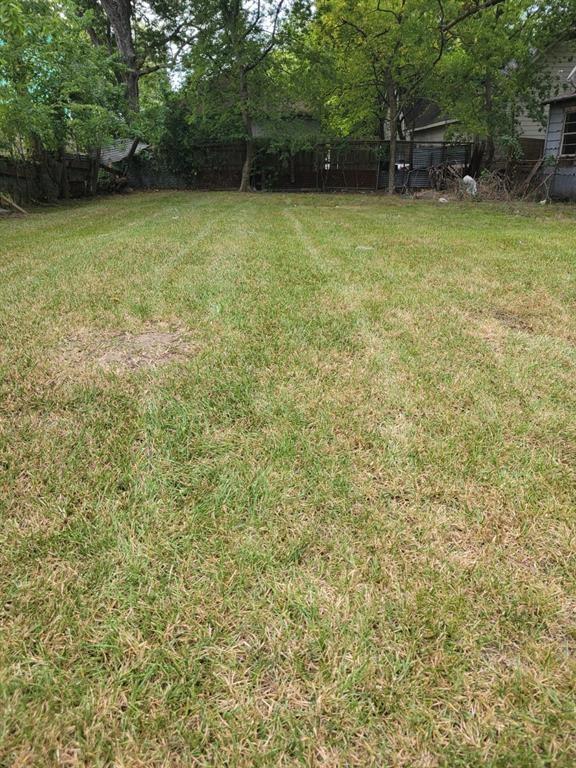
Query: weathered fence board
{"x": 49, "y": 179}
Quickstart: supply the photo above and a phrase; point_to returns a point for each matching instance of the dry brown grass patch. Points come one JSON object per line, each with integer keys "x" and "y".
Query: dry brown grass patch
{"x": 152, "y": 347}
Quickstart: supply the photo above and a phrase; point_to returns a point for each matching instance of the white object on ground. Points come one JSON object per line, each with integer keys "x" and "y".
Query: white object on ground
{"x": 470, "y": 186}
{"x": 442, "y": 200}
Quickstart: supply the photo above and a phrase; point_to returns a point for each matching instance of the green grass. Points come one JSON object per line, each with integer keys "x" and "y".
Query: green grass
{"x": 340, "y": 532}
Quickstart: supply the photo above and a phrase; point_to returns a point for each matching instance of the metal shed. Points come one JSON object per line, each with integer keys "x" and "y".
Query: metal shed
{"x": 560, "y": 147}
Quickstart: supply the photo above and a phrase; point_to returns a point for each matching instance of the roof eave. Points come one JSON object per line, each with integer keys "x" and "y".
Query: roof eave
{"x": 559, "y": 99}
{"x": 438, "y": 124}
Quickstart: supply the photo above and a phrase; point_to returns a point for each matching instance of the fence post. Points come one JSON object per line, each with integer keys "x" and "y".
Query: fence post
{"x": 94, "y": 165}
{"x": 64, "y": 180}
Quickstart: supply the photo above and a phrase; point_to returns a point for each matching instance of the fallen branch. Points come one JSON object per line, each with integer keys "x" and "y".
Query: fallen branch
{"x": 7, "y": 200}
{"x": 525, "y": 187}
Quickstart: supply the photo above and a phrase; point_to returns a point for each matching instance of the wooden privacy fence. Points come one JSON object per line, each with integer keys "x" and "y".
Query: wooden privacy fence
{"x": 326, "y": 167}
{"x": 48, "y": 179}
{"x": 349, "y": 165}
{"x": 216, "y": 166}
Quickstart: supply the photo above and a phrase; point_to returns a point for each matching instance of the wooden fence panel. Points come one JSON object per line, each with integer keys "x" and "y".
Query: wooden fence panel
{"x": 29, "y": 180}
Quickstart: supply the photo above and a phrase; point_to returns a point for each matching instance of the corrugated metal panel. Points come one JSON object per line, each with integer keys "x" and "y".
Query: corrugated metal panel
{"x": 425, "y": 157}
{"x": 418, "y": 178}
{"x": 119, "y": 150}
{"x": 564, "y": 183}
{"x": 457, "y": 154}
{"x": 416, "y": 175}
{"x": 555, "y": 130}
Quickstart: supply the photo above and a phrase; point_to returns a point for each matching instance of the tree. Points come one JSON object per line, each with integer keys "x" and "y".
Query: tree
{"x": 120, "y": 16}
{"x": 229, "y": 66}
{"x": 56, "y": 89}
{"x": 492, "y": 72}
{"x": 149, "y": 36}
{"x": 385, "y": 54}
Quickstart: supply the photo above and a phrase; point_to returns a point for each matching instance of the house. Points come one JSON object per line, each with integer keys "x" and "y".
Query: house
{"x": 560, "y": 147}
{"x": 559, "y": 61}
{"x": 427, "y": 122}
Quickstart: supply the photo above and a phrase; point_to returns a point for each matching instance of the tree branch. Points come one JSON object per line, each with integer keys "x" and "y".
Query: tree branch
{"x": 272, "y": 42}
{"x": 470, "y": 12}
{"x": 167, "y": 64}
{"x": 355, "y": 27}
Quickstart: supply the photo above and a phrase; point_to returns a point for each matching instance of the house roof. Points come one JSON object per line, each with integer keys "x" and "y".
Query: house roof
{"x": 119, "y": 150}
{"x": 291, "y": 126}
{"x": 437, "y": 124}
{"x": 425, "y": 112}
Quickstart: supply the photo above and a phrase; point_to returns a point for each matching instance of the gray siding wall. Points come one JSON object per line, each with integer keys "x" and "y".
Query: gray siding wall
{"x": 557, "y": 63}
{"x": 437, "y": 133}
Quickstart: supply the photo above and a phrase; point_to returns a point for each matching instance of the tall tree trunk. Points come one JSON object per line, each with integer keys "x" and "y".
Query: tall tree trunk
{"x": 133, "y": 89}
{"x": 489, "y": 105}
{"x": 247, "y": 167}
{"x": 248, "y": 128}
{"x": 119, "y": 14}
{"x": 476, "y": 158}
{"x": 393, "y": 121}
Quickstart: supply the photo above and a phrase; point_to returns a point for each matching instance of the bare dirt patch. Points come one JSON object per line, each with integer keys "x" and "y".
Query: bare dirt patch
{"x": 127, "y": 351}
{"x": 494, "y": 325}
{"x": 510, "y": 320}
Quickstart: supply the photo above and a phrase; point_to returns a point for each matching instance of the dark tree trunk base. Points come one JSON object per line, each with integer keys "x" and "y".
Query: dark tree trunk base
{"x": 247, "y": 167}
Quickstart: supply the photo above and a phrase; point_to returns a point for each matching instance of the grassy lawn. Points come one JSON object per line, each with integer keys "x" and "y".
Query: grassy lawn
{"x": 287, "y": 480}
